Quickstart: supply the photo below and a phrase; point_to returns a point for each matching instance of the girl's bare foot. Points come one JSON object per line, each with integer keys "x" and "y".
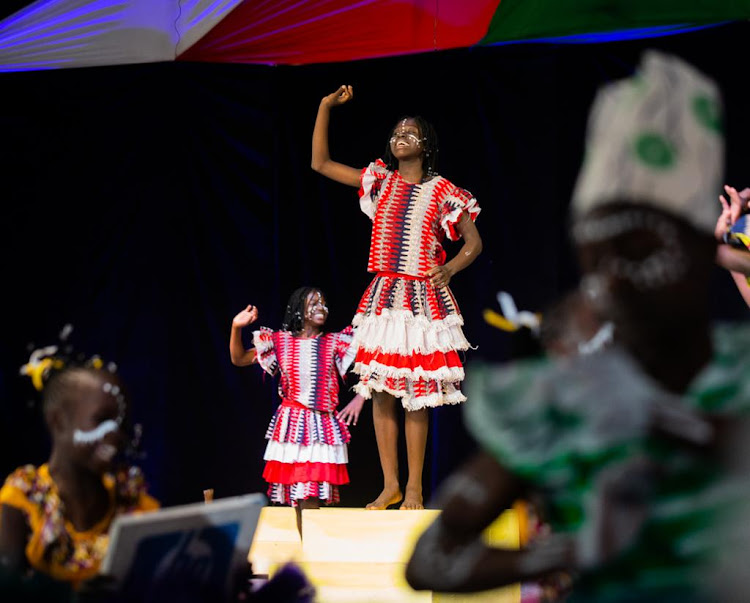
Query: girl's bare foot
{"x": 412, "y": 500}
{"x": 387, "y": 498}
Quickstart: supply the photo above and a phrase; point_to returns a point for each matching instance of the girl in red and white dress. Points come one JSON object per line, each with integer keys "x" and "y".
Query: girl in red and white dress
{"x": 408, "y": 324}
{"x": 306, "y": 455}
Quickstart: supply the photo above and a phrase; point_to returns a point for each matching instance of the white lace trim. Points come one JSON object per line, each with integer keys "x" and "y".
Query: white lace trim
{"x": 411, "y": 402}
{"x": 403, "y": 333}
{"x": 471, "y": 207}
{"x": 262, "y": 340}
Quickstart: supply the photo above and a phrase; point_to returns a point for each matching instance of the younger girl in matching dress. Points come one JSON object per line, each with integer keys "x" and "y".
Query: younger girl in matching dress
{"x": 306, "y": 455}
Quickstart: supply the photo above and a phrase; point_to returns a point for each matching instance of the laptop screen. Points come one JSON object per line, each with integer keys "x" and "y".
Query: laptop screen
{"x": 187, "y": 553}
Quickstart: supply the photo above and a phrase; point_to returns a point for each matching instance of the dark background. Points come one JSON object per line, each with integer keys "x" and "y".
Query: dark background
{"x": 147, "y": 204}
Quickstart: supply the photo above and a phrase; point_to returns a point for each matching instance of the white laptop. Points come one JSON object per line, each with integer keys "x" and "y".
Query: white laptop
{"x": 182, "y": 553}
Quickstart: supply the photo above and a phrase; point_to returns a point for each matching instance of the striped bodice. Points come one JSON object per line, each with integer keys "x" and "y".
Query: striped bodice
{"x": 308, "y": 365}
{"x": 410, "y": 220}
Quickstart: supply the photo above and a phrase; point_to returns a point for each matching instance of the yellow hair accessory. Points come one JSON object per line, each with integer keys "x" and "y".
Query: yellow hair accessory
{"x": 40, "y": 362}
{"x": 513, "y": 319}
{"x": 37, "y": 373}
{"x": 43, "y": 359}
{"x": 499, "y": 321}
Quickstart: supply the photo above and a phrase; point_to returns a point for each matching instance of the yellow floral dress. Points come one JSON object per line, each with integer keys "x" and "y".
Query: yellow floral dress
{"x": 55, "y": 547}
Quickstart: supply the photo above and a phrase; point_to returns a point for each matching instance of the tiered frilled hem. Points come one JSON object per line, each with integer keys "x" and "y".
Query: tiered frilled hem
{"x": 408, "y": 337}
{"x": 306, "y": 455}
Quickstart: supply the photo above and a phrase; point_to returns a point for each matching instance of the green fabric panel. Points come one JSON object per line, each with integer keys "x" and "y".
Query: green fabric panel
{"x": 529, "y": 19}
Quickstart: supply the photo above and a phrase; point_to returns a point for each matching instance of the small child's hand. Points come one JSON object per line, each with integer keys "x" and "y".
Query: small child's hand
{"x": 248, "y": 316}
{"x": 724, "y": 221}
{"x": 738, "y": 201}
{"x": 350, "y": 413}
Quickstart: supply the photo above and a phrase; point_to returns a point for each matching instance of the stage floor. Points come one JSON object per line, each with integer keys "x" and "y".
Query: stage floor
{"x": 359, "y": 556}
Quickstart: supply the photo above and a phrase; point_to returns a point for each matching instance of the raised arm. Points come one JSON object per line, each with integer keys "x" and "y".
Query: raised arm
{"x": 321, "y": 158}
{"x": 742, "y": 286}
{"x": 239, "y": 355}
{"x": 734, "y": 260}
{"x": 472, "y": 247}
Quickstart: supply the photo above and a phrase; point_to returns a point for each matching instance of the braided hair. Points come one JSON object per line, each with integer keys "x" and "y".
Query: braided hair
{"x": 294, "y": 315}
{"x": 429, "y": 144}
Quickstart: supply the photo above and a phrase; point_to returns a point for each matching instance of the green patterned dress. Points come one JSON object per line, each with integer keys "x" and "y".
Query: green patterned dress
{"x": 577, "y": 428}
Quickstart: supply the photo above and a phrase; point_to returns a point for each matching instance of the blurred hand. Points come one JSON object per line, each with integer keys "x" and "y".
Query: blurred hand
{"x": 724, "y": 221}
{"x": 556, "y": 586}
{"x": 738, "y": 201}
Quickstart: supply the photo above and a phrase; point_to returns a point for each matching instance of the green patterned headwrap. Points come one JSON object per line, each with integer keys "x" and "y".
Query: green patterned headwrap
{"x": 656, "y": 138}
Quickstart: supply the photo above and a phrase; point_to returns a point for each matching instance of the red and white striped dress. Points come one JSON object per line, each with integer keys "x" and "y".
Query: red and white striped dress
{"x": 407, "y": 331}
{"x": 306, "y": 455}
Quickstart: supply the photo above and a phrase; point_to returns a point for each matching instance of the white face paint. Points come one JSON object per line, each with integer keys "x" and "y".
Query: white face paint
{"x": 602, "y": 338}
{"x": 409, "y": 136}
{"x": 114, "y": 390}
{"x": 316, "y": 305}
{"x": 105, "y": 452}
{"x": 663, "y": 266}
{"x": 92, "y": 436}
{"x": 407, "y": 132}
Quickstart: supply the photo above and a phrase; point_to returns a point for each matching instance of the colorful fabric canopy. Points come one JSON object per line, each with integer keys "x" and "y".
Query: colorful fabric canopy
{"x": 51, "y": 34}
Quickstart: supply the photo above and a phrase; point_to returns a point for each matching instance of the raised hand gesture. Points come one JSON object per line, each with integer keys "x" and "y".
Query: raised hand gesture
{"x": 724, "y": 221}
{"x": 246, "y": 317}
{"x": 343, "y": 95}
{"x": 738, "y": 201}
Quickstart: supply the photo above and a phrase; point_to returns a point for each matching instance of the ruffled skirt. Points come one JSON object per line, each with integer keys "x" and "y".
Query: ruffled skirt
{"x": 408, "y": 337}
{"x": 306, "y": 455}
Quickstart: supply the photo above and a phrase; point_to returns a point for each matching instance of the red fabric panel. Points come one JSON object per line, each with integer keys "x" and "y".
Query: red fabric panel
{"x": 427, "y": 362}
{"x": 291, "y": 473}
{"x": 318, "y": 31}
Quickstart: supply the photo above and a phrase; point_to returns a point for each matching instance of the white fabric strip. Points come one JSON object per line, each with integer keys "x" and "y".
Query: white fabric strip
{"x": 315, "y": 453}
{"x": 366, "y": 203}
{"x": 403, "y": 333}
{"x": 344, "y": 363}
